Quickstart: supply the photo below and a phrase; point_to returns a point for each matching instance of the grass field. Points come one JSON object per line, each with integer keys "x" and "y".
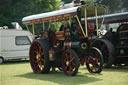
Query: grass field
{"x": 21, "y": 74}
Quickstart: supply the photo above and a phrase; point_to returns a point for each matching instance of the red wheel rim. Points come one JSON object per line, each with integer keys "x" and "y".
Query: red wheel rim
{"x": 69, "y": 63}
{"x": 37, "y": 59}
{"x": 104, "y": 50}
{"x": 93, "y": 62}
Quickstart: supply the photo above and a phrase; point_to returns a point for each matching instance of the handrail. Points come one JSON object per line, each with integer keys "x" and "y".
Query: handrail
{"x": 102, "y": 22}
{"x": 96, "y": 21}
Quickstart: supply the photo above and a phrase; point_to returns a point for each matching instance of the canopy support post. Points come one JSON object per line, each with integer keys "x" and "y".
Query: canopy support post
{"x": 64, "y": 22}
{"x": 96, "y": 21}
{"x": 70, "y": 21}
{"x": 55, "y": 25}
{"x": 102, "y": 22}
{"x": 86, "y": 27}
{"x": 49, "y": 26}
{"x": 33, "y": 30}
{"x": 27, "y": 27}
{"x": 80, "y": 26}
{"x": 43, "y": 26}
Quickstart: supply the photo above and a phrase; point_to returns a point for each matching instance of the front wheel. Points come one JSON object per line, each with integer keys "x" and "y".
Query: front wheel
{"x": 70, "y": 62}
{"x": 107, "y": 49}
{"x": 94, "y": 61}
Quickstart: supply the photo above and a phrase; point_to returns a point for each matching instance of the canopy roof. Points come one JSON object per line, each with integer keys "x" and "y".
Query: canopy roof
{"x": 112, "y": 18}
{"x": 60, "y": 14}
{"x": 50, "y": 15}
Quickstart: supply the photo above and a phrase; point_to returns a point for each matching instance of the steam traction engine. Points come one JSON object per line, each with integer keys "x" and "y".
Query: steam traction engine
{"x": 67, "y": 48}
{"x": 114, "y": 44}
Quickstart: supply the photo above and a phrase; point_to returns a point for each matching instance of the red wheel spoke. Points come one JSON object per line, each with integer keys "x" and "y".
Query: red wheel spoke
{"x": 42, "y": 54}
{"x": 40, "y": 50}
{"x": 40, "y": 64}
{"x": 70, "y": 68}
{"x": 65, "y": 68}
{"x": 43, "y": 60}
{"x": 65, "y": 60}
{"x": 66, "y": 55}
{"x": 94, "y": 67}
{"x": 97, "y": 56}
{"x": 37, "y": 61}
{"x": 96, "y": 61}
{"x": 36, "y": 48}
{"x": 72, "y": 59}
{"x": 90, "y": 60}
{"x": 73, "y": 64}
{"x": 91, "y": 68}
{"x": 70, "y": 56}
{"x": 38, "y": 45}
{"x": 36, "y": 52}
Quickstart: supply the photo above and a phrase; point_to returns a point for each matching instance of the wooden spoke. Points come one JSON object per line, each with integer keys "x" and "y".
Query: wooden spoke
{"x": 70, "y": 63}
{"x": 37, "y": 61}
{"x": 42, "y": 54}
{"x": 95, "y": 62}
{"x": 66, "y": 55}
{"x": 70, "y": 68}
{"x": 65, "y": 68}
{"x": 70, "y": 55}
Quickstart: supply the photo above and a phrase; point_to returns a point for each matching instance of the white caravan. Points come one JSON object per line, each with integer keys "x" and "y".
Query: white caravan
{"x": 14, "y": 44}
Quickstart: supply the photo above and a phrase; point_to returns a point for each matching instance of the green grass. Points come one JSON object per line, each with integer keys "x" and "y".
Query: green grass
{"x": 21, "y": 74}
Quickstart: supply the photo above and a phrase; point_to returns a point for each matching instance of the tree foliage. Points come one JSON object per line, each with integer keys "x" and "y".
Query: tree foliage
{"x": 115, "y": 5}
{"x": 15, "y": 10}
{"x": 67, "y": 1}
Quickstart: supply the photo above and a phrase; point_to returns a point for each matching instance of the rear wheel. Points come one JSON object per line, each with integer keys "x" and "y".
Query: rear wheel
{"x": 94, "y": 61}
{"x": 70, "y": 62}
{"x": 107, "y": 50}
{"x": 39, "y": 58}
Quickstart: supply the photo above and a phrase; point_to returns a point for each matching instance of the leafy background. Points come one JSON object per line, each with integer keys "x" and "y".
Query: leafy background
{"x": 15, "y": 10}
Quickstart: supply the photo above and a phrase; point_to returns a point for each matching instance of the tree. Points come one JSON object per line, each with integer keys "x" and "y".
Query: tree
{"x": 125, "y": 4}
{"x": 15, "y": 10}
{"x": 67, "y": 1}
{"x": 115, "y": 5}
